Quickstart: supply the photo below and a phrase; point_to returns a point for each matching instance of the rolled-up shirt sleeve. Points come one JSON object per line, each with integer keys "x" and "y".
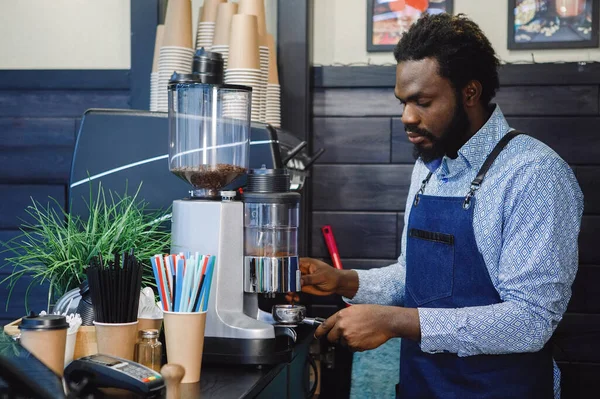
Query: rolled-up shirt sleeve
{"x": 537, "y": 266}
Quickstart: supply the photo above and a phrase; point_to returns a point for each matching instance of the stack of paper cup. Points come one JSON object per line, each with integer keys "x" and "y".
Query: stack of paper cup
{"x": 225, "y": 11}
{"x": 273, "y": 112}
{"x": 176, "y": 53}
{"x": 244, "y": 60}
{"x": 257, "y": 8}
{"x": 172, "y": 59}
{"x": 264, "y": 69}
{"x": 206, "y": 24}
{"x": 235, "y": 104}
{"x": 154, "y": 75}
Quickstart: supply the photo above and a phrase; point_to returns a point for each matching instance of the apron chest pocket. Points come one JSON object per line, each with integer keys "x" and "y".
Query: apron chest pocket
{"x": 432, "y": 273}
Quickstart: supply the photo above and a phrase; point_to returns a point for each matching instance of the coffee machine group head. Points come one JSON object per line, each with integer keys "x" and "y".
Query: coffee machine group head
{"x": 255, "y": 240}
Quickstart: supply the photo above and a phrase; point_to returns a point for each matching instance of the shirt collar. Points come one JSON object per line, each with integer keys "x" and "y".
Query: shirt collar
{"x": 475, "y": 151}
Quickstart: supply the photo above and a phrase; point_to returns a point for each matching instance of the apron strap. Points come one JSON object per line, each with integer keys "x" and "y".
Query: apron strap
{"x": 476, "y": 183}
{"x": 422, "y": 189}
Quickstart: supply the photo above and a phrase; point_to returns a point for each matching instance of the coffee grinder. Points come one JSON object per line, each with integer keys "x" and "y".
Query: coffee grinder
{"x": 254, "y": 236}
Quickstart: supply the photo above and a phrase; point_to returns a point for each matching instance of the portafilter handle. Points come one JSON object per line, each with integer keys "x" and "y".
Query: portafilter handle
{"x": 313, "y": 321}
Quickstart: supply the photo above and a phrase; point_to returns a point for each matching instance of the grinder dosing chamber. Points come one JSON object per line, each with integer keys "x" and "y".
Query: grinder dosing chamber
{"x": 271, "y": 221}
{"x": 209, "y": 128}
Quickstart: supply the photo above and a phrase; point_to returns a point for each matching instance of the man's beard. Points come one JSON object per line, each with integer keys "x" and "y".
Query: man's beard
{"x": 448, "y": 143}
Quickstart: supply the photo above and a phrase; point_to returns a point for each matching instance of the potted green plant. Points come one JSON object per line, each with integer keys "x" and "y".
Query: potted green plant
{"x": 56, "y": 246}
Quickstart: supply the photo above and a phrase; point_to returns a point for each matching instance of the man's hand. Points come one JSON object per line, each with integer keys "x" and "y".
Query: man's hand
{"x": 318, "y": 278}
{"x": 364, "y": 327}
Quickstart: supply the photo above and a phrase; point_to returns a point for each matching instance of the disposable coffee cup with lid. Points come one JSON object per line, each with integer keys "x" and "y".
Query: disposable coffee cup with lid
{"x": 45, "y": 322}
{"x": 45, "y": 336}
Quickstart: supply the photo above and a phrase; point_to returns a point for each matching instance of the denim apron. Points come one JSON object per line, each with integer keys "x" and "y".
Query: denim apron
{"x": 444, "y": 269}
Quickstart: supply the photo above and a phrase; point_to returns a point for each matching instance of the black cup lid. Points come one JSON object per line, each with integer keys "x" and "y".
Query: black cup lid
{"x": 45, "y": 322}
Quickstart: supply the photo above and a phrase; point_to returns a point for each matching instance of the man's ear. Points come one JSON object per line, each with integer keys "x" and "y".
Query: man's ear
{"x": 471, "y": 93}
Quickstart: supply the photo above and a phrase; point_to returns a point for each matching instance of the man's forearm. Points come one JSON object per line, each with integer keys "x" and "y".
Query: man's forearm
{"x": 404, "y": 323}
{"x": 347, "y": 283}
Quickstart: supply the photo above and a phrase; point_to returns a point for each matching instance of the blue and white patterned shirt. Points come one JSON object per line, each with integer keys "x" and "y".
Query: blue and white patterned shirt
{"x": 526, "y": 221}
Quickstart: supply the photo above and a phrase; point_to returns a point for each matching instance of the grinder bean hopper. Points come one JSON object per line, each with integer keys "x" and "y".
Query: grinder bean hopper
{"x": 254, "y": 236}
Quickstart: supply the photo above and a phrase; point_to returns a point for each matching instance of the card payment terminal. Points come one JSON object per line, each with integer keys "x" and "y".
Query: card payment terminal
{"x": 103, "y": 371}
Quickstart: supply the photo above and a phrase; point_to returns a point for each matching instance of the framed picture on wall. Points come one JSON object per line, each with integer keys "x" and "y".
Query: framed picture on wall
{"x": 552, "y": 24}
{"x": 387, "y": 20}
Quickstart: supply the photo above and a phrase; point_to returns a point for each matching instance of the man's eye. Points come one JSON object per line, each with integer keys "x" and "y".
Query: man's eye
{"x": 424, "y": 104}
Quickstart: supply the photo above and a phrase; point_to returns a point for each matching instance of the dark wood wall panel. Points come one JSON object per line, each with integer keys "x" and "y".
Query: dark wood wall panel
{"x": 351, "y": 140}
{"x": 586, "y": 290}
{"x": 575, "y": 139}
{"x": 548, "y": 100}
{"x": 41, "y": 164}
{"x": 358, "y": 234}
{"x": 355, "y": 187}
{"x": 28, "y": 132}
{"x": 576, "y": 338}
{"x": 37, "y": 134}
{"x": 21, "y": 300}
{"x": 579, "y": 380}
{"x": 589, "y": 181}
{"x": 355, "y": 103}
{"x": 16, "y": 306}
{"x": 588, "y": 240}
{"x": 14, "y": 205}
{"x": 58, "y": 103}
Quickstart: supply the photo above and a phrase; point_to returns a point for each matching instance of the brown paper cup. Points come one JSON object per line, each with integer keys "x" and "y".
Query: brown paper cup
{"x": 178, "y": 24}
{"x": 86, "y": 344}
{"x": 117, "y": 339}
{"x": 184, "y": 336}
{"x": 255, "y": 7}
{"x": 149, "y": 324}
{"x": 209, "y": 10}
{"x": 48, "y": 346}
{"x": 273, "y": 74}
{"x": 243, "y": 42}
{"x": 225, "y": 12}
{"x": 160, "y": 30}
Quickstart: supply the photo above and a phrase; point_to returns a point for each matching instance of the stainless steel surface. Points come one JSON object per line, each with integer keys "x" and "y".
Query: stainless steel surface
{"x": 212, "y": 227}
{"x": 287, "y": 331}
{"x": 293, "y": 315}
{"x": 271, "y": 274}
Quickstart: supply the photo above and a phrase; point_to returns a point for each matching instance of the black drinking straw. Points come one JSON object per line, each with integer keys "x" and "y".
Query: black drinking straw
{"x": 115, "y": 287}
{"x": 198, "y": 293}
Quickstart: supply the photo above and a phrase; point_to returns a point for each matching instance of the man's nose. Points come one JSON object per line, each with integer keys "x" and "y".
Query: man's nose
{"x": 409, "y": 116}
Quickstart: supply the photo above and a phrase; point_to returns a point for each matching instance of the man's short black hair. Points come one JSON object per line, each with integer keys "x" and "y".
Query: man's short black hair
{"x": 460, "y": 48}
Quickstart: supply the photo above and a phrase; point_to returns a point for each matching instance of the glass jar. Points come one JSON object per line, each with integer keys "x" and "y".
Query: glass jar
{"x": 148, "y": 350}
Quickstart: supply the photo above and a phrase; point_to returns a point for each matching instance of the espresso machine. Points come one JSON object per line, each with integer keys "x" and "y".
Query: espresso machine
{"x": 248, "y": 218}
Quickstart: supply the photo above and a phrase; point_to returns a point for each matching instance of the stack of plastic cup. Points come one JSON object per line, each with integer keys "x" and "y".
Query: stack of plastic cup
{"x": 205, "y": 31}
{"x": 244, "y": 60}
{"x": 273, "y": 109}
{"x": 225, "y": 12}
{"x": 176, "y": 53}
